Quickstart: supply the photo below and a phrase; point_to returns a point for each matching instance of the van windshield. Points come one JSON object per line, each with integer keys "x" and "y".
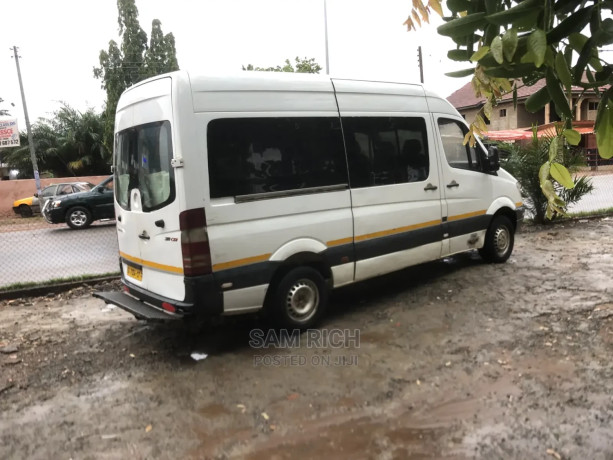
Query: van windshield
{"x": 142, "y": 161}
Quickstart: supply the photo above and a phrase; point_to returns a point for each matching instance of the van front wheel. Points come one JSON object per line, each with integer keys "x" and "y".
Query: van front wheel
{"x": 499, "y": 241}
{"x": 300, "y": 298}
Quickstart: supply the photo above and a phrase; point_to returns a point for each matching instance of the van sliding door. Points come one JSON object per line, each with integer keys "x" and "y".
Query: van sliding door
{"x": 395, "y": 195}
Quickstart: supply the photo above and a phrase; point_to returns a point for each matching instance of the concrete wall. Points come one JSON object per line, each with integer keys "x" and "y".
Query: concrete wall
{"x": 469, "y": 114}
{"x": 525, "y": 119}
{"x": 587, "y": 114}
{"x": 11, "y": 190}
{"x": 509, "y": 121}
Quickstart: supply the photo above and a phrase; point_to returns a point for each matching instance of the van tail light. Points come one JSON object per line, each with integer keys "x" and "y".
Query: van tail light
{"x": 195, "y": 243}
{"x": 169, "y": 307}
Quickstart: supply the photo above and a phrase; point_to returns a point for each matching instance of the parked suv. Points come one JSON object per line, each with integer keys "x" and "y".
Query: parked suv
{"x": 26, "y": 207}
{"x": 79, "y": 210}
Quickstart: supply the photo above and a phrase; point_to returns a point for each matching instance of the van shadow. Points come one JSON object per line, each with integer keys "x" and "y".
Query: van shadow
{"x": 372, "y": 292}
{"x": 177, "y": 340}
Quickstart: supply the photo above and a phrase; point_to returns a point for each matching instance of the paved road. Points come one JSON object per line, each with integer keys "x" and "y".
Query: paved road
{"x": 43, "y": 254}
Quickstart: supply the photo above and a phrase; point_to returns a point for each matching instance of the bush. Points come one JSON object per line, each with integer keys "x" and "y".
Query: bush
{"x": 524, "y": 162}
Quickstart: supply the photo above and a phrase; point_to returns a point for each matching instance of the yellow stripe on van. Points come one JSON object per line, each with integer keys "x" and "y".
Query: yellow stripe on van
{"x": 394, "y": 231}
{"x": 348, "y": 240}
{"x": 339, "y": 242}
{"x": 467, "y": 215}
{"x": 239, "y": 262}
{"x": 146, "y": 263}
{"x": 519, "y": 204}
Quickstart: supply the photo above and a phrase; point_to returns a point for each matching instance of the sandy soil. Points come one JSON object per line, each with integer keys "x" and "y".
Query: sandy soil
{"x": 457, "y": 359}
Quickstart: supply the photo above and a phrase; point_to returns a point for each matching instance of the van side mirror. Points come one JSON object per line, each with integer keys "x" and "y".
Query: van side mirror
{"x": 492, "y": 162}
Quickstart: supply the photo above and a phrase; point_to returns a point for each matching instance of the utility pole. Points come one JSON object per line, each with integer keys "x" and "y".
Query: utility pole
{"x": 25, "y": 112}
{"x": 326, "y": 32}
{"x": 420, "y": 61}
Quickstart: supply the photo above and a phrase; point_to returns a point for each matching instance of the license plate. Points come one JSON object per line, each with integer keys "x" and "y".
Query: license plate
{"x": 136, "y": 273}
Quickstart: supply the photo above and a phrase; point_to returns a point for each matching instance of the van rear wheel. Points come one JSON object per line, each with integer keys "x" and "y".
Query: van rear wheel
{"x": 499, "y": 241}
{"x": 300, "y": 298}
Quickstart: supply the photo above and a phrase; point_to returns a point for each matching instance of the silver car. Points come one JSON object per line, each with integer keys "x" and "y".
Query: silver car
{"x": 28, "y": 206}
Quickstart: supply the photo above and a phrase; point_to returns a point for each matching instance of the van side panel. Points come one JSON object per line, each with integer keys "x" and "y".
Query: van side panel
{"x": 252, "y": 236}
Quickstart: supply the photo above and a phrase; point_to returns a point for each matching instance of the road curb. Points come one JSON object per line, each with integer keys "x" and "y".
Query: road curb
{"x": 37, "y": 291}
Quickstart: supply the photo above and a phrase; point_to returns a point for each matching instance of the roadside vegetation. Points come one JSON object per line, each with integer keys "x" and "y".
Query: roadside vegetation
{"x": 525, "y": 162}
{"x": 509, "y": 44}
{"x": 74, "y": 143}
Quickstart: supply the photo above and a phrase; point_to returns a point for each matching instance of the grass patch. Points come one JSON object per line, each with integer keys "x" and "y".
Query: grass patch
{"x": 597, "y": 213}
{"x": 7, "y": 221}
{"x": 54, "y": 282}
{"x": 529, "y": 222}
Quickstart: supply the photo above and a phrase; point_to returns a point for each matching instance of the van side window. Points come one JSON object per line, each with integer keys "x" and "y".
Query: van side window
{"x": 386, "y": 150}
{"x": 258, "y": 155}
{"x": 458, "y": 155}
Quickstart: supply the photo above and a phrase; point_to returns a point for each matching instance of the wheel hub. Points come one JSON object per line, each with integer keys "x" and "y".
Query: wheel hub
{"x": 302, "y": 300}
{"x": 502, "y": 240}
{"x": 78, "y": 218}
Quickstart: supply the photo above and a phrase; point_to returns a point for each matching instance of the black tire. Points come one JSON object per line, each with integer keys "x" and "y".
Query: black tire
{"x": 78, "y": 218}
{"x": 300, "y": 298}
{"x": 25, "y": 210}
{"x": 499, "y": 241}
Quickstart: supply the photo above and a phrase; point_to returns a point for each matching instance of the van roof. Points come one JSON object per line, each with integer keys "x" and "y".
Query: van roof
{"x": 260, "y": 79}
{"x": 290, "y": 81}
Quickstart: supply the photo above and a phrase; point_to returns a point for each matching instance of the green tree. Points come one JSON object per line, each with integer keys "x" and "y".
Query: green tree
{"x": 301, "y": 66}
{"x": 524, "y": 163}
{"x": 121, "y": 66}
{"x": 68, "y": 144}
{"x": 161, "y": 56}
{"x": 510, "y": 43}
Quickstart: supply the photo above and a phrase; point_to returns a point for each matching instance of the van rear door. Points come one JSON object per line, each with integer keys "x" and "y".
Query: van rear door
{"x": 147, "y": 205}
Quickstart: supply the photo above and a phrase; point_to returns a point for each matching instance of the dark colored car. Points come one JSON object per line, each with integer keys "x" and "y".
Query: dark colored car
{"x": 79, "y": 210}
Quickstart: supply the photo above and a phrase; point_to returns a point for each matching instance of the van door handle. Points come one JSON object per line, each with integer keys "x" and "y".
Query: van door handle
{"x": 452, "y": 184}
{"x": 144, "y": 236}
{"x": 430, "y": 187}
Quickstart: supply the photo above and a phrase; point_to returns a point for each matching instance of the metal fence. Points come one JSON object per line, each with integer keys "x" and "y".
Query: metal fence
{"x": 34, "y": 251}
{"x": 601, "y": 198}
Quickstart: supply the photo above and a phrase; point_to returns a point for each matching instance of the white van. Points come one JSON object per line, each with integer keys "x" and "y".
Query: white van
{"x": 266, "y": 190}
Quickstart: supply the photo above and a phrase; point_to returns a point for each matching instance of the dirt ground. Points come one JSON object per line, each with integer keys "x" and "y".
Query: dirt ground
{"x": 457, "y": 359}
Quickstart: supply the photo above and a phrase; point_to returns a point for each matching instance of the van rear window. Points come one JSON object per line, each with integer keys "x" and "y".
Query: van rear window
{"x": 250, "y": 156}
{"x": 142, "y": 160}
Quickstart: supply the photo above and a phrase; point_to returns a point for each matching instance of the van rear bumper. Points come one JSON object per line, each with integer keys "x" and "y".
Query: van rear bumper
{"x": 202, "y": 298}
{"x": 140, "y": 310}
